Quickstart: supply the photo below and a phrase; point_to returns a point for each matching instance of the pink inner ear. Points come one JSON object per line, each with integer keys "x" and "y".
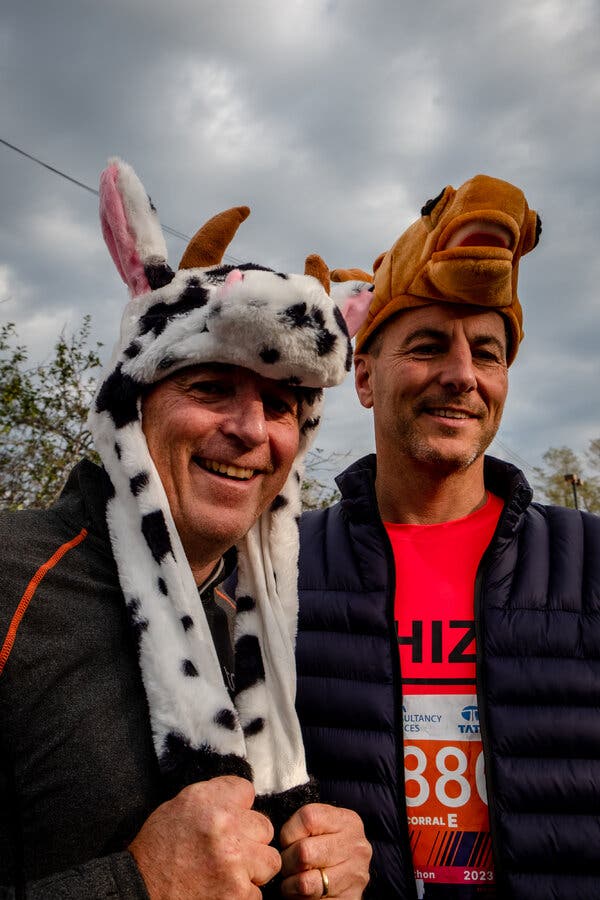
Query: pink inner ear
{"x": 234, "y": 276}
{"x": 355, "y": 309}
{"x": 117, "y": 234}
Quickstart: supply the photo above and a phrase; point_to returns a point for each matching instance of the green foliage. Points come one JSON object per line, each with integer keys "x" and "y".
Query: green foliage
{"x": 317, "y": 494}
{"x": 560, "y": 461}
{"x": 43, "y": 412}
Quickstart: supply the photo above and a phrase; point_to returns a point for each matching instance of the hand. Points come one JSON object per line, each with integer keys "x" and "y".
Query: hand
{"x": 207, "y": 843}
{"x": 324, "y": 837}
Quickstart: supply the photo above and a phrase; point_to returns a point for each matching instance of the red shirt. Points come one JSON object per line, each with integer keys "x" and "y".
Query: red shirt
{"x": 436, "y": 567}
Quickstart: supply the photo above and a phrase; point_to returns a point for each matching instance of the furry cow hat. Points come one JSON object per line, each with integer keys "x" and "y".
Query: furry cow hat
{"x": 465, "y": 248}
{"x": 284, "y": 327}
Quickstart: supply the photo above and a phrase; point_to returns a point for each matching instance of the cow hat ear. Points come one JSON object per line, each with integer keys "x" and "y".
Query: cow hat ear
{"x": 355, "y": 302}
{"x": 316, "y": 267}
{"x": 210, "y": 242}
{"x": 131, "y": 229}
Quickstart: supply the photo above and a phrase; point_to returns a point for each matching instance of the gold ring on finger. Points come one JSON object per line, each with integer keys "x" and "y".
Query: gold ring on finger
{"x": 325, "y": 880}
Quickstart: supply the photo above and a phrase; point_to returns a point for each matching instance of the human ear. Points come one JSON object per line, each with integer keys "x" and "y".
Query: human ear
{"x": 363, "y": 376}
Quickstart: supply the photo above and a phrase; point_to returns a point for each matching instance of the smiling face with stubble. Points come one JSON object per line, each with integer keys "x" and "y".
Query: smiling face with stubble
{"x": 223, "y": 440}
{"x": 436, "y": 378}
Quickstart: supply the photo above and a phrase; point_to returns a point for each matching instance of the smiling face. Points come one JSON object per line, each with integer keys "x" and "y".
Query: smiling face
{"x": 223, "y": 440}
{"x": 437, "y": 383}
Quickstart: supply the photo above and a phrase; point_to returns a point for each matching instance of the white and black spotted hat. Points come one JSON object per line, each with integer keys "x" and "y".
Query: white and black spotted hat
{"x": 281, "y": 326}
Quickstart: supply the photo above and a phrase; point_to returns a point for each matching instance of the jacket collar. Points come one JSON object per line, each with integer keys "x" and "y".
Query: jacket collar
{"x": 357, "y": 486}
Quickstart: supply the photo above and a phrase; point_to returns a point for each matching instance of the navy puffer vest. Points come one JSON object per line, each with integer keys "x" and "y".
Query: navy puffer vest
{"x": 537, "y": 609}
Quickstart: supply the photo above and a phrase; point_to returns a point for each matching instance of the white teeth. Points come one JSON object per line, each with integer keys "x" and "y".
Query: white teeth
{"x": 225, "y": 469}
{"x": 449, "y": 414}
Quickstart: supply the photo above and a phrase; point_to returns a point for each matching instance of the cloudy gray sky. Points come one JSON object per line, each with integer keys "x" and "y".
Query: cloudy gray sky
{"x": 334, "y": 120}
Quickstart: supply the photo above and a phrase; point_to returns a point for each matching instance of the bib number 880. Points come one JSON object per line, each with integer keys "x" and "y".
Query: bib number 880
{"x": 453, "y": 774}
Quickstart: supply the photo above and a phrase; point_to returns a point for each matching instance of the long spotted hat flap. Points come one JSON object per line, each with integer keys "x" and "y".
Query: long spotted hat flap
{"x": 281, "y": 326}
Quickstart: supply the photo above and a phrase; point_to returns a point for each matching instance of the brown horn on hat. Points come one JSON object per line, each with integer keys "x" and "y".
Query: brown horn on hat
{"x": 339, "y": 275}
{"x": 210, "y": 242}
{"x": 316, "y": 267}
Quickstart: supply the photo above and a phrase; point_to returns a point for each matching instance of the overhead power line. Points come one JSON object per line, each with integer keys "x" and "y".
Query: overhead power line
{"x": 34, "y": 159}
{"x": 512, "y": 453}
{"x": 86, "y": 187}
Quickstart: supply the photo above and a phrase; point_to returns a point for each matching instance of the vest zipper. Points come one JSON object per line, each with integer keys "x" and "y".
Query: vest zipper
{"x": 480, "y": 685}
{"x": 397, "y": 685}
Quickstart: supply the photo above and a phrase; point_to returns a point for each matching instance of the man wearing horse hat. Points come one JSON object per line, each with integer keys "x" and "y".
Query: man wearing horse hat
{"x": 448, "y": 646}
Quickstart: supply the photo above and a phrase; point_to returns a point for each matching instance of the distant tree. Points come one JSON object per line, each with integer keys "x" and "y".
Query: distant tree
{"x": 593, "y": 455}
{"x": 43, "y": 413}
{"x": 317, "y": 493}
{"x": 560, "y": 461}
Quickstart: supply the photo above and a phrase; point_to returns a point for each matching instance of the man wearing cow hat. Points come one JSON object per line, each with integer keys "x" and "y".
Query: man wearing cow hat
{"x": 149, "y": 744}
{"x": 456, "y": 709}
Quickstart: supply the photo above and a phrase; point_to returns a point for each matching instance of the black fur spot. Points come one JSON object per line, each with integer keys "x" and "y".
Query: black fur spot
{"x": 109, "y": 488}
{"x": 159, "y": 276}
{"x": 431, "y": 204}
{"x": 245, "y": 604}
{"x": 253, "y": 267}
{"x": 182, "y": 764}
{"x": 340, "y": 320}
{"x": 279, "y": 807}
{"x": 311, "y": 395}
{"x": 133, "y": 349}
{"x": 118, "y": 450}
{"x": 310, "y": 424}
{"x": 162, "y": 586}
{"x": 158, "y": 316}
{"x": 269, "y": 355}
{"x": 137, "y": 623}
{"x": 538, "y": 230}
{"x": 318, "y": 316}
{"x": 187, "y": 622}
{"x": 297, "y": 476}
{"x": 152, "y": 206}
{"x": 278, "y": 503}
{"x": 249, "y": 668}
{"x": 296, "y": 316}
{"x": 154, "y": 529}
{"x": 254, "y": 727}
{"x": 348, "y": 360}
{"x": 167, "y": 361}
{"x": 326, "y": 341}
{"x": 282, "y": 275}
{"x": 218, "y": 275}
{"x": 188, "y": 668}
{"x": 227, "y": 719}
{"x": 138, "y": 483}
{"x": 118, "y": 396}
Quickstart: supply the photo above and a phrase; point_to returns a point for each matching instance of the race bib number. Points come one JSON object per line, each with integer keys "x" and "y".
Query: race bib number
{"x": 445, "y": 790}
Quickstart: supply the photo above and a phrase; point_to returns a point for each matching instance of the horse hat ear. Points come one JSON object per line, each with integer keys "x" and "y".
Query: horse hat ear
{"x": 339, "y": 275}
